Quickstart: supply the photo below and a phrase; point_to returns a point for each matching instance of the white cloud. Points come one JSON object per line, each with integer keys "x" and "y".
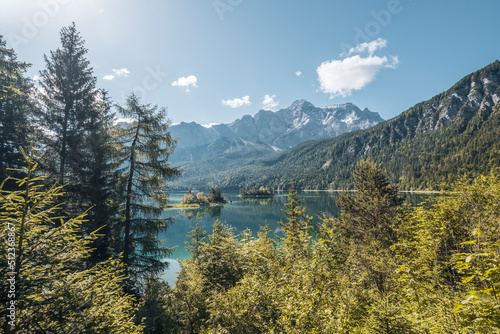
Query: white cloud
{"x": 121, "y": 72}
{"x": 341, "y": 77}
{"x": 188, "y": 90}
{"x": 189, "y": 81}
{"x": 36, "y": 77}
{"x": 236, "y": 103}
{"x": 269, "y": 103}
{"x": 108, "y": 77}
{"x": 370, "y": 47}
{"x": 298, "y": 73}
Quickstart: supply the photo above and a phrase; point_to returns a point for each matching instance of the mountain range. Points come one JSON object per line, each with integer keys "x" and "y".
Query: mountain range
{"x": 454, "y": 134}
{"x": 269, "y": 131}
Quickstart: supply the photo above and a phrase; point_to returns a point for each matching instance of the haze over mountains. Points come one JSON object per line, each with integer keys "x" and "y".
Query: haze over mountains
{"x": 454, "y": 133}
{"x": 269, "y": 131}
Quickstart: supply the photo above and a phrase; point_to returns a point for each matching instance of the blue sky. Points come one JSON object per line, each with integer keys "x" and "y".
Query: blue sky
{"x": 213, "y": 61}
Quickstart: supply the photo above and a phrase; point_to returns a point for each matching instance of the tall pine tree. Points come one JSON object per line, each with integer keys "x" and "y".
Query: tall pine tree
{"x": 144, "y": 146}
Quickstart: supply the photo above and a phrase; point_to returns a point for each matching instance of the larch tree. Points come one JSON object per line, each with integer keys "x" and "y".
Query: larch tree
{"x": 144, "y": 146}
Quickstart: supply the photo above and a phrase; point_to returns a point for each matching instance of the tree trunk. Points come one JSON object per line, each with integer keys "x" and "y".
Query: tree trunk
{"x": 127, "y": 247}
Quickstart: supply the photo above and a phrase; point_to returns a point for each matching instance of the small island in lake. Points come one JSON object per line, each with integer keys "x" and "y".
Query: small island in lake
{"x": 214, "y": 197}
{"x": 257, "y": 192}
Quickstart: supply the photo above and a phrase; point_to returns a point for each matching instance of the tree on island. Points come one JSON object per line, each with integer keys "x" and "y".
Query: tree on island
{"x": 214, "y": 196}
{"x": 256, "y": 191}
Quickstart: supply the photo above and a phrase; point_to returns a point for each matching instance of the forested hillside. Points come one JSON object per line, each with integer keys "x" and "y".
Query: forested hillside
{"x": 452, "y": 134}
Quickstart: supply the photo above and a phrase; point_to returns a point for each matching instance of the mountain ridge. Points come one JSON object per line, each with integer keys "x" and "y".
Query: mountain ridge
{"x": 270, "y": 130}
{"x": 453, "y": 133}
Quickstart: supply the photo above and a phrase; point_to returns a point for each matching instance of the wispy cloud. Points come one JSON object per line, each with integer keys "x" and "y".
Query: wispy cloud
{"x": 122, "y": 72}
{"x": 189, "y": 81}
{"x": 236, "y": 103}
{"x": 269, "y": 102}
{"x": 298, "y": 73}
{"x": 341, "y": 77}
{"x": 370, "y": 47}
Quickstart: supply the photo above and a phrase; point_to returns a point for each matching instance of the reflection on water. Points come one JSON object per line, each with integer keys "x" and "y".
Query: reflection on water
{"x": 248, "y": 213}
{"x": 199, "y": 213}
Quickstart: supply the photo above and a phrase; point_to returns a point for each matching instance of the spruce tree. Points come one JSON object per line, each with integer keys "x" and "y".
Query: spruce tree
{"x": 95, "y": 176}
{"x": 15, "y": 108}
{"x": 68, "y": 96}
{"x": 369, "y": 213}
{"x": 77, "y": 117}
{"x": 195, "y": 245}
{"x": 144, "y": 146}
{"x": 297, "y": 238}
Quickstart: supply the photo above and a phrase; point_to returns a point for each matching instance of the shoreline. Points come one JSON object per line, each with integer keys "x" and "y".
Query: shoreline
{"x": 349, "y": 190}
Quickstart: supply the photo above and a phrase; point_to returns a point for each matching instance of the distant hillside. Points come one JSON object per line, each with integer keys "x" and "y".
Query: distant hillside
{"x": 269, "y": 131}
{"x": 452, "y": 134}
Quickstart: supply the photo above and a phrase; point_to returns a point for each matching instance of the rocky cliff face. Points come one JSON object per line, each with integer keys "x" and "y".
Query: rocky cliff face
{"x": 270, "y": 131}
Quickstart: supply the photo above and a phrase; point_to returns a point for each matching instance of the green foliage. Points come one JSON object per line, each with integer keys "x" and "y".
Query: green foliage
{"x": 189, "y": 198}
{"x": 195, "y": 246}
{"x": 54, "y": 292}
{"x": 478, "y": 261}
{"x": 448, "y": 257}
{"x": 381, "y": 267}
{"x": 368, "y": 214}
{"x": 297, "y": 237}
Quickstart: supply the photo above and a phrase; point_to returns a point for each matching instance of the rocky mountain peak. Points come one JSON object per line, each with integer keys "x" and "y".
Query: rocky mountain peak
{"x": 302, "y": 106}
{"x": 285, "y": 128}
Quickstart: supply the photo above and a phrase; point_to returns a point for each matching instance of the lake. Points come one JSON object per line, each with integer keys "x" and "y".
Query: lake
{"x": 242, "y": 214}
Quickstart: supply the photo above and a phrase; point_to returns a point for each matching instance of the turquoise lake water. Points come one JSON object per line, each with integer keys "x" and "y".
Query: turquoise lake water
{"x": 241, "y": 214}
